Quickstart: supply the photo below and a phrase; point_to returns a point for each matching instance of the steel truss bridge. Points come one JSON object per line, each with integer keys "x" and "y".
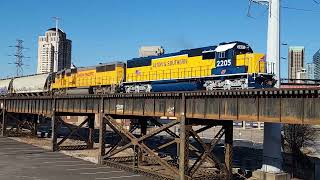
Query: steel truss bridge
{"x": 190, "y": 109}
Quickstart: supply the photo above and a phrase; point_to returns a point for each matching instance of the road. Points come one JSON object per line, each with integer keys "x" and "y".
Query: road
{"x": 19, "y": 161}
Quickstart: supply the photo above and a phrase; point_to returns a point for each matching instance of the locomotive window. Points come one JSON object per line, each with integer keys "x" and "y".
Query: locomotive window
{"x": 230, "y": 54}
{"x": 195, "y": 52}
{"x": 120, "y": 65}
{"x": 100, "y": 69}
{"x": 73, "y": 71}
{"x": 111, "y": 67}
{"x": 105, "y": 68}
{"x": 139, "y": 62}
{"x": 222, "y": 54}
{"x": 208, "y": 55}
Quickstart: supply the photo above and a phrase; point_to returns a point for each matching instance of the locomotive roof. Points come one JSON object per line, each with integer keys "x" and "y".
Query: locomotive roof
{"x": 13, "y": 77}
{"x": 92, "y": 67}
{"x": 195, "y": 51}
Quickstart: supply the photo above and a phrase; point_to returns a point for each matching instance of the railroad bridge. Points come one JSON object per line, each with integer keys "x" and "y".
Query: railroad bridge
{"x": 189, "y": 109}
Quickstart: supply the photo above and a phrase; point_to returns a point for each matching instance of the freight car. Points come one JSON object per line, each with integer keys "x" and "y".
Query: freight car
{"x": 31, "y": 85}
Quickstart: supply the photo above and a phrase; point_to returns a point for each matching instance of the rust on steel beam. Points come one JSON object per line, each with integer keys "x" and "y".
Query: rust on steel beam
{"x": 102, "y": 136}
{"x": 207, "y": 154}
{"x": 54, "y": 135}
{"x": 228, "y": 155}
{"x": 143, "y": 129}
{"x": 184, "y": 142}
{"x": 35, "y": 119}
{"x": 73, "y": 131}
{"x": 139, "y": 143}
{"x": 90, "y": 132}
{"x": 298, "y": 106}
{"x": 4, "y": 122}
{"x": 125, "y": 140}
{"x": 174, "y": 135}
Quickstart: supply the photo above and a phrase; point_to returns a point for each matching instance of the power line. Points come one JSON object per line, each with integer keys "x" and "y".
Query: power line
{"x": 300, "y": 9}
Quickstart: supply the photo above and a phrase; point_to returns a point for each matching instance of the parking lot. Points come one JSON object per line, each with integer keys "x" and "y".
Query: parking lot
{"x": 23, "y": 161}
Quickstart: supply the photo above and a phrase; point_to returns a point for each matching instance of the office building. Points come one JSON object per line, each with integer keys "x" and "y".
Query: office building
{"x": 316, "y": 62}
{"x": 310, "y": 71}
{"x": 47, "y": 51}
{"x": 295, "y": 60}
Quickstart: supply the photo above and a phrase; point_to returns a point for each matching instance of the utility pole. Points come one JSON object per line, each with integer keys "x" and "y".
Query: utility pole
{"x": 56, "y": 57}
{"x": 19, "y": 57}
{"x": 272, "y": 158}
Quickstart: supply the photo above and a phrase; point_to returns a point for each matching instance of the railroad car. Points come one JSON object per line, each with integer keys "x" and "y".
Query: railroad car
{"x": 103, "y": 78}
{"x": 5, "y": 85}
{"x": 31, "y": 85}
{"x": 226, "y": 66}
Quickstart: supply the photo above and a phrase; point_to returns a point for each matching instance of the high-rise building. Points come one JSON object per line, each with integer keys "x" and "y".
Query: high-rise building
{"x": 296, "y": 61}
{"x": 47, "y": 51}
{"x": 310, "y": 71}
{"x": 316, "y": 62}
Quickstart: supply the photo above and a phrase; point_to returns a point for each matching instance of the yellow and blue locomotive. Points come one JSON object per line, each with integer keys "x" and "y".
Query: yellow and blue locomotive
{"x": 230, "y": 65}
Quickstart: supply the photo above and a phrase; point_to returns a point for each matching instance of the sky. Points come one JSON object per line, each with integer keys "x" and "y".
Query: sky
{"x": 112, "y": 30}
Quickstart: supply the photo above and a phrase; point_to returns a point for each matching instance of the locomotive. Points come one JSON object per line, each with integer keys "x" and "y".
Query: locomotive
{"x": 231, "y": 65}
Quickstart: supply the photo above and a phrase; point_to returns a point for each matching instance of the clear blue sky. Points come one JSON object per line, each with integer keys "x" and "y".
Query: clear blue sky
{"x": 108, "y": 30}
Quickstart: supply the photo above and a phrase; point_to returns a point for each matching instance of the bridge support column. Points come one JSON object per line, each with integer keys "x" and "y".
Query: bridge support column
{"x": 184, "y": 141}
{"x": 184, "y": 149}
{"x": 144, "y": 126}
{"x": 90, "y": 132}
{"x": 4, "y": 122}
{"x": 228, "y": 154}
{"x": 102, "y": 136}
{"x": 54, "y": 132}
{"x": 35, "y": 119}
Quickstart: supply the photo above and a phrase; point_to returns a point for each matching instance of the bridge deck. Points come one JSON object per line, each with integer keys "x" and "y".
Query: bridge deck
{"x": 299, "y": 106}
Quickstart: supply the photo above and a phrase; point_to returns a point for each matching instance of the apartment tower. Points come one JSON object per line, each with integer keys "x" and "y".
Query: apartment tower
{"x": 47, "y": 51}
{"x": 295, "y": 60}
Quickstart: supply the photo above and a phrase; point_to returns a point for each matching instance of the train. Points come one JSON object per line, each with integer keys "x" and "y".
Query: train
{"x": 231, "y": 65}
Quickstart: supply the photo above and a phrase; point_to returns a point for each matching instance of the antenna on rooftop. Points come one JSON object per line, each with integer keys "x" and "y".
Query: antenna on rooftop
{"x": 19, "y": 57}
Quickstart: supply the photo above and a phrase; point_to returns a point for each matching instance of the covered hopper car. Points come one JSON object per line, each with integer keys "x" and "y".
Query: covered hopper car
{"x": 37, "y": 84}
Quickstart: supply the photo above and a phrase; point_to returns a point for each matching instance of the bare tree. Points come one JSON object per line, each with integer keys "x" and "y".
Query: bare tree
{"x": 297, "y": 136}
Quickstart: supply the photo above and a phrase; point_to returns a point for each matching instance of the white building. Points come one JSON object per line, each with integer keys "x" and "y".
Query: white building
{"x": 47, "y": 51}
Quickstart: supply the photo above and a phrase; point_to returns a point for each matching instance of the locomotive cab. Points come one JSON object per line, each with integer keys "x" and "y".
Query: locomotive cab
{"x": 236, "y": 66}
{"x": 226, "y": 58}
